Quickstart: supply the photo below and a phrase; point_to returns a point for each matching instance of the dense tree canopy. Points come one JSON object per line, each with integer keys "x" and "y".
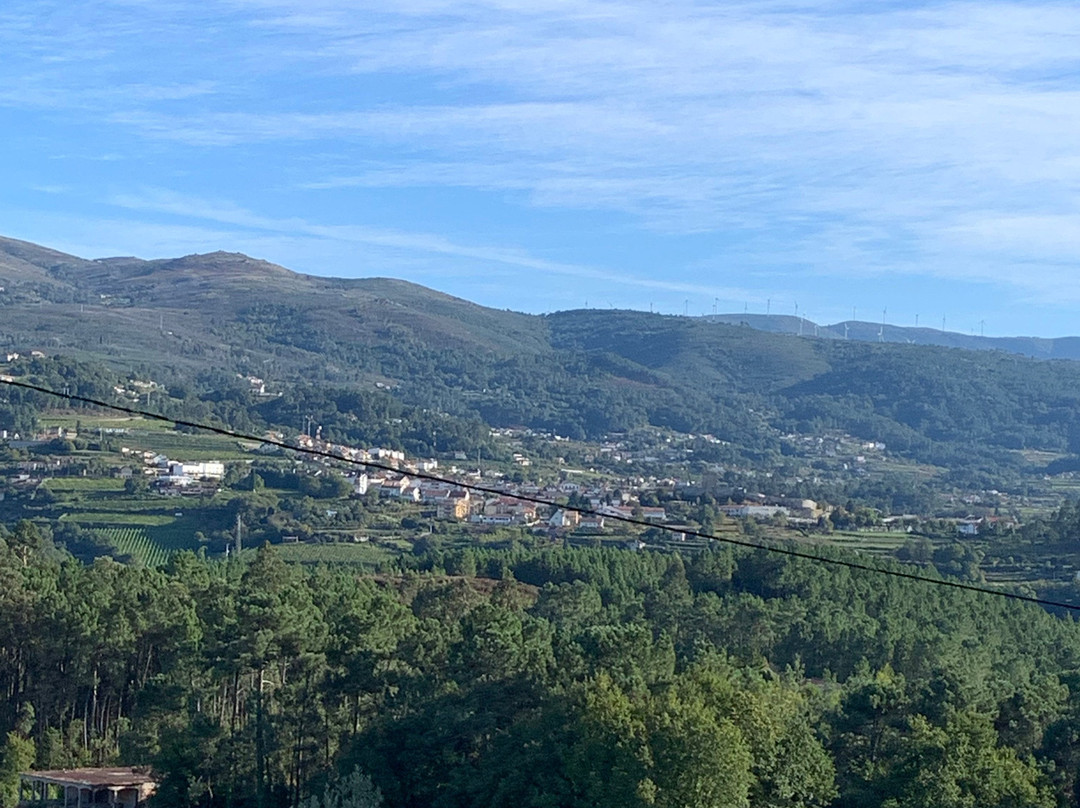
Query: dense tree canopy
{"x": 582, "y": 676}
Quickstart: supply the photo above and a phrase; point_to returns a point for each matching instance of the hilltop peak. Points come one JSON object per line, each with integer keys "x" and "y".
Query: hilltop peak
{"x": 221, "y": 260}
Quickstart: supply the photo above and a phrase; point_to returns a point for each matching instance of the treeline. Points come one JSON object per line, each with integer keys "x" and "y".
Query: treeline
{"x": 568, "y": 386}
{"x": 356, "y": 417}
{"x": 19, "y": 407}
{"x": 606, "y": 372}
{"x": 1060, "y": 529}
{"x": 536, "y": 678}
{"x": 615, "y": 371}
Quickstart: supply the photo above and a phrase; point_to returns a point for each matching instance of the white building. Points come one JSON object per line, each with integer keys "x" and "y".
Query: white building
{"x": 210, "y": 470}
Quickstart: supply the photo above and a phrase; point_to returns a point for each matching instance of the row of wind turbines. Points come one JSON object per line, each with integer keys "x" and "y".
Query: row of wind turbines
{"x": 854, "y": 316}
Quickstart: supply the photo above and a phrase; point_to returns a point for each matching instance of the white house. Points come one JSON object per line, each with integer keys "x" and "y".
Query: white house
{"x": 211, "y": 470}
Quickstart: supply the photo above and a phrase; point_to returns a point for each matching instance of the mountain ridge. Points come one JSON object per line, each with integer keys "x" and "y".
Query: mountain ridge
{"x": 1067, "y": 347}
{"x": 203, "y": 320}
{"x": 22, "y": 261}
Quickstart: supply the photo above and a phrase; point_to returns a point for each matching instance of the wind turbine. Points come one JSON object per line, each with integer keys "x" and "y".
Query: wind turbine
{"x": 881, "y": 331}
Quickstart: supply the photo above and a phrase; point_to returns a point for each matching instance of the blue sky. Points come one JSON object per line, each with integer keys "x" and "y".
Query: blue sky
{"x": 922, "y": 158}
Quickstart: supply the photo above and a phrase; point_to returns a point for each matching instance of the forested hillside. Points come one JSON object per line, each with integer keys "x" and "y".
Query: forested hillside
{"x": 1036, "y": 347}
{"x": 580, "y": 373}
{"x": 537, "y": 678}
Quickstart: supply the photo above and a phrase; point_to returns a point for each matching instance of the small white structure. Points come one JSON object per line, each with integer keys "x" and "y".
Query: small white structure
{"x": 211, "y": 470}
{"x": 968, "y": 527}
{"x": 564, "y": 518}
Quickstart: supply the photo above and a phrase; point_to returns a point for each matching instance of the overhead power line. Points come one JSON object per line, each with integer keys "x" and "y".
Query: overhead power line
{"x": 582, "y": 510}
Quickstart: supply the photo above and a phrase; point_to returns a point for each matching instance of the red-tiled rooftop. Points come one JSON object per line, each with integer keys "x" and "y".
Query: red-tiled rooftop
{"x": 123, "y": 776}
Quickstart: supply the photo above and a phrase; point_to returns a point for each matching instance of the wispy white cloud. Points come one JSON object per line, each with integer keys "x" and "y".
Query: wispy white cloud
{"x": 827, "y": 138}
{"x": 695, "y": 119}
{"x": 226, "y": 213}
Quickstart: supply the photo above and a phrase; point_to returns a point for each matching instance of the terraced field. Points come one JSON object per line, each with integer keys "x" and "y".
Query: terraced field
{"x": 186, "y": 447}
{"x": 366, "y": 555}
{"x": 83, "y": 485}
{"x": 875, "y": 542}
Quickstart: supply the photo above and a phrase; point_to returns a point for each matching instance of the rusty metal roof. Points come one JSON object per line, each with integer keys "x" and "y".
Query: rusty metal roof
{"x": 119, "y": 777}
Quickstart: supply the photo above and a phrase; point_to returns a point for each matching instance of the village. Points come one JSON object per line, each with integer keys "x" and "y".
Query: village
{"x": 651, "y": 486}
{"x": 542, "y": 495}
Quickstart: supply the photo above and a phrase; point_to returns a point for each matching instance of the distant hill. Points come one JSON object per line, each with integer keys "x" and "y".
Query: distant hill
{"x": 201, "y": 319}
{"x": 206, "y": 307}
{"x": 1035, "y": 347}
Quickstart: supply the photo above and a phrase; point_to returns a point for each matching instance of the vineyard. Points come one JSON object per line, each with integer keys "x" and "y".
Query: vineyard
{"x": 135, "y": 542}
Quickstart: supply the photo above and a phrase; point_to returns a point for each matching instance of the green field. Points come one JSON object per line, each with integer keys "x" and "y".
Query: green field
{"x": 882, "y": 543}
{"x": 117, "y": 518}
{"x": 91, "y": 423}
{"x": 155, "y": 436}
{"x": 179, "y": 446}
{"x": 364, "y": 555}
{"x": 124, "y": 505}
{"x": 84, "y": 484}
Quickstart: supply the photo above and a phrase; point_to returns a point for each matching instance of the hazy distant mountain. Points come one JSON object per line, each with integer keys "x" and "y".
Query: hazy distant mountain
{"x": 126, "y": 303}
{"x": 1036, "y": 347}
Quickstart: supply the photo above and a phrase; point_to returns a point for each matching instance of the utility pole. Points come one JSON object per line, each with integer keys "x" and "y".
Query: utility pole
{"x": 239, "y": 542}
